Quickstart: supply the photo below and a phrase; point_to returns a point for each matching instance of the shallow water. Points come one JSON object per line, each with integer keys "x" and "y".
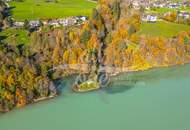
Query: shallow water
{"x": 158, "y": 99}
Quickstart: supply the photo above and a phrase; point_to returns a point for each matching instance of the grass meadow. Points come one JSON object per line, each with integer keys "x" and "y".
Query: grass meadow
{"x": 39, "y": 9}
{"x": 162, "y": 28}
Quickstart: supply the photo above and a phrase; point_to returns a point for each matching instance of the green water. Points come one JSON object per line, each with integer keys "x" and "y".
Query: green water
{"x": 153, "y": 100}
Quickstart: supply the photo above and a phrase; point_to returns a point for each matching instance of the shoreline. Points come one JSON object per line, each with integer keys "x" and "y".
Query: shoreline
{"x": 41, "y": 99}
{"x": 115, "y": 73}
{"x": 45, "y": 98}
{"x": 112, "y": 74}
{"x": 147, "y": 69}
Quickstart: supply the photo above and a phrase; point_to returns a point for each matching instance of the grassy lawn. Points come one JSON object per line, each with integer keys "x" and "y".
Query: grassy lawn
{"x": 166, "y": 29}
{"x": 15, "y": 36}
{"x": 39, "y": 9}
{"x": 21, "y": 36}
{"x": 164, "y": 10}
{"x": 186, "y": 9}
{"x": 162, "y": 28}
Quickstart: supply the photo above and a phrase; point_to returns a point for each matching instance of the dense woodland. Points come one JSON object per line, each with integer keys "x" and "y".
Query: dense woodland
{"x": 109, "y": 38}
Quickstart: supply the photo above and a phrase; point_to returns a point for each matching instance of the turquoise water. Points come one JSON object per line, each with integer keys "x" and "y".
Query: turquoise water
{"x": 153, "y": 100}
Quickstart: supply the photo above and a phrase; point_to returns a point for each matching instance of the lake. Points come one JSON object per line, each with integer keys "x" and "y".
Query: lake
{"x": 157, "y": 99}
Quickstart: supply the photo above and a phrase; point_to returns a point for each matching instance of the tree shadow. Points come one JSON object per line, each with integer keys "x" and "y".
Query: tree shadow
{"x": 8, "y": 11}
{"x": 118, "y": 88}
{"x": 11, "y": 8}
{"x": 3, "y": 38}
{"x": 63, "y": 84}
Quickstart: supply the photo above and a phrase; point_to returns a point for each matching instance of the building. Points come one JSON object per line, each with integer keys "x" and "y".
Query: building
{"x": 63, "y": 22}
{"x": 81, "y": 19}
{"x": 18, "y": 24}
{"x": 54, "y": 23}
{"x": 34, "y": 24}
{"x": 72, "y": 21}
{"x": 151, "y": 18}
{"x": 184, "y": 14}
{"x": 174, "y": 5}
{"x": 159, "y": 4}
{"x": 186, "y": 4}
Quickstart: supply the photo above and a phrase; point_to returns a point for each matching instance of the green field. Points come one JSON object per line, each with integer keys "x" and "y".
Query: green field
{"x": 162, "y": 28}
{"x": 21, "y": 36}
{"x": 15, "y": 36}
{"x": 166, "y": 29}
{"x": 39, "y": 9}
{"x": 164, "y": 10}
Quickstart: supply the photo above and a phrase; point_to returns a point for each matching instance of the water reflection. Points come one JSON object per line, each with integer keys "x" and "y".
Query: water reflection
{"x": 127, "y": 81}
{"x": 118, "y": 89}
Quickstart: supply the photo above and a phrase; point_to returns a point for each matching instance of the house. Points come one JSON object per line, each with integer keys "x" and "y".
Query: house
{"x": 72, "y": 21}
{"x": 18, "y": 24}
{"x": 63, "y": 22}
{"x": 184, "y": 14}
{"x": 54, "y": 23}
{"x": 151, "y": 18}
{"x": 34, "y": 24}
{"x": 81, "y": 19}
{"x": 186, "y": 4}
{"x": 158, "y": 4}
{"x": 137, "y": 4}
{"x": 174, "y": 5}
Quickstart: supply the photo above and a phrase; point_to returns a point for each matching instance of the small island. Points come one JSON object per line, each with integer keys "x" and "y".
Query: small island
{"x": 89, "y": 85}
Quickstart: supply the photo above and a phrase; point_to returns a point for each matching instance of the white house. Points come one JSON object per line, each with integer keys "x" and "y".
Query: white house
{"x": 18, "y": 24}
{"x": 83, "y": 18}
{"x": 186, "y": 4}
{"x": 151, "y": 18}
{"x": 184, "y": 14}
{"x": 54, "y": 23}
{"x": 35, "y": 23}
{"x": 63, "y": 22}
{"x": 158, "y": 5}
{"x": 174, "y": 5}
